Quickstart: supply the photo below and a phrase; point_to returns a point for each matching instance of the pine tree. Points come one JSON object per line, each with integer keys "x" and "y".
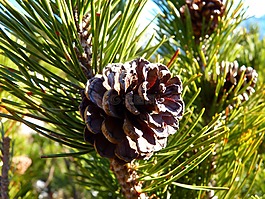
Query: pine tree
{"x": 177, "y": 116}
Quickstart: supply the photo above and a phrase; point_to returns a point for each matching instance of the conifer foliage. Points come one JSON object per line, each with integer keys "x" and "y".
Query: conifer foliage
{"x": 171, "y": 116}
{"x": 225, "y": 89}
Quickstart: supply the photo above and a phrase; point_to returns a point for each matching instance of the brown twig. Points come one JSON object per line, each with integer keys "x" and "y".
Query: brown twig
{"x": 127, "y": 178}
{"x": 5, "y": 168}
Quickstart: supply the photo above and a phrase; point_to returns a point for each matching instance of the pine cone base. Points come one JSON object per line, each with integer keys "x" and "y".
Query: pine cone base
{"x": 127, "y": 177}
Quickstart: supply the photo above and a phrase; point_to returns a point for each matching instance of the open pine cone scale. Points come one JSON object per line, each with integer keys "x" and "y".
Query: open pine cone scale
{"x": 131, "y": 109}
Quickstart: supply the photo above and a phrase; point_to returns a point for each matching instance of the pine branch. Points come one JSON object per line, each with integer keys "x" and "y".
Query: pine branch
{"x": 48, "y": 67}
{"x": 201, "y": 58}
{"x": 56, "y": 46}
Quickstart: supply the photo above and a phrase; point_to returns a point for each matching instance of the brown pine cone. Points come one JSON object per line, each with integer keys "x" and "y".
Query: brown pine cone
{"x": 131, "y": 109}
{"x": 203, "y": 11}
{"x": 233, "y": 74}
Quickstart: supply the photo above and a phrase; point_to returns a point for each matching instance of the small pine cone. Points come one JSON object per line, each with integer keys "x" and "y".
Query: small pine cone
{"x": 233, "y": 75}
{"x": 85, "y": 37}
{"x": 203, "y": 11}
{"x": 131, "y": 109}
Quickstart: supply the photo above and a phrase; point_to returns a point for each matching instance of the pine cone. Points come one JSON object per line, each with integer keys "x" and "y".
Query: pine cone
{"x": 84, "y": 57}
{"x": 131, "y": 109}
{"x": 233, "y": 75}
{"x": 203, "y": 11}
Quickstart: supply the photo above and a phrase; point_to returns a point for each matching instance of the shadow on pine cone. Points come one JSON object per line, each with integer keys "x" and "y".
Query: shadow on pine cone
{"x": 131, "y": 109}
